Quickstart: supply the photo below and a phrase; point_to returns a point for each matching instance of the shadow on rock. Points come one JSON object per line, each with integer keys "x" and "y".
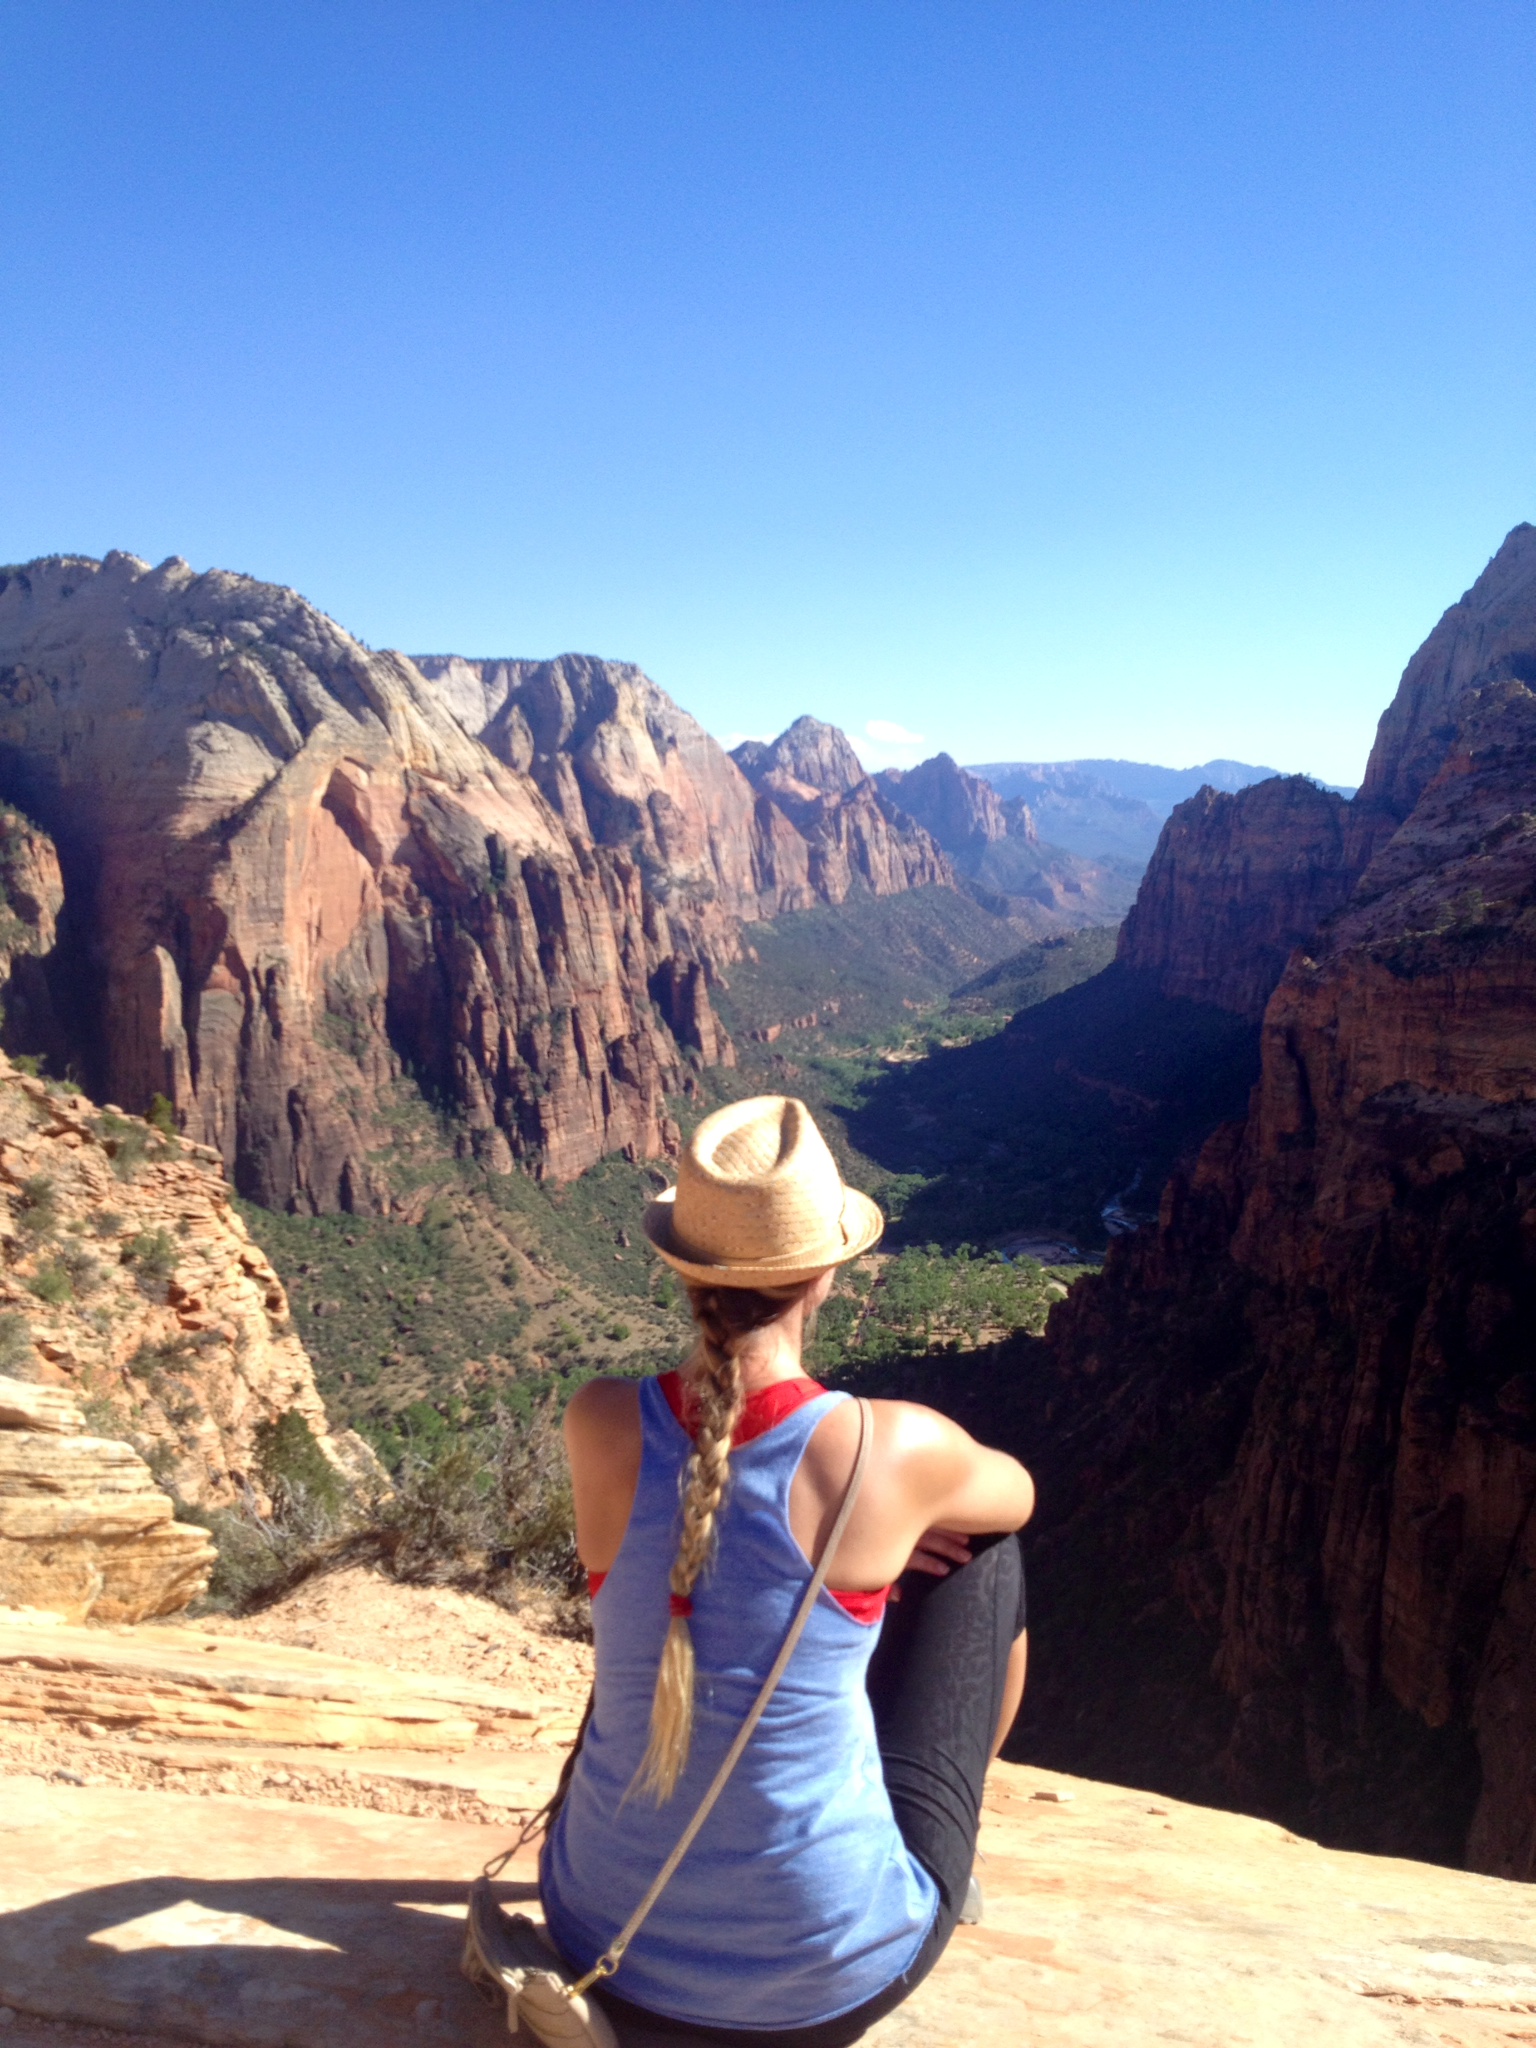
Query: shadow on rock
{"x": 280, "y": 1962}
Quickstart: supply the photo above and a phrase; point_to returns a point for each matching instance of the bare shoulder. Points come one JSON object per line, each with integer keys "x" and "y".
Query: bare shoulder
{"x": 599, "y": 1407}
{"x": 903, "y": 1430}
{"x": 927, "y": 1472}
{"x": 603, "y": 1445}
{"x": 926, "y": 1448}
{"x": 908, "y": 1425}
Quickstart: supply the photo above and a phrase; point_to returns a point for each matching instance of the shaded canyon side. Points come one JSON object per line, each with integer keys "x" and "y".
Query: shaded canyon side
{"x": 1286, "y": 1555}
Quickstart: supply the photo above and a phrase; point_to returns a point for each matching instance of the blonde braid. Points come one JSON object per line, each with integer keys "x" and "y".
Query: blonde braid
{"x": 724, "y": 1316}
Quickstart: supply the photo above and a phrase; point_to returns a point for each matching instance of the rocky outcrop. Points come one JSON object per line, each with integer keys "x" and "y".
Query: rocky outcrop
{"x": 50, "y": 1409}
{"x": 1488, "y": 637}
{"x": 964, "y": 814}
{"x": 84, "y": 1529}
{"x": 995, "y": 846}
{"x": 1302, "y": 1412}
{"x": 292, "y": 872}
{"x": 1236, "y": 883}
{"x": 809, "y": 752}
{"x": 129, "y": 1283}
{"x": 298, "y": 871}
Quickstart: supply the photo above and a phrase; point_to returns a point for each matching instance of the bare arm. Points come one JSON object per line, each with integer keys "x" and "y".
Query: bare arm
{"x": 603, "y": 1443}
{"x": 926, "y": 1475}
{"x": 952, "y": 1481}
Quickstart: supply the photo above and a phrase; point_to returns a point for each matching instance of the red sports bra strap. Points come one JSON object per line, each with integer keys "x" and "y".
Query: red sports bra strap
{"x": 762, "y": 1411}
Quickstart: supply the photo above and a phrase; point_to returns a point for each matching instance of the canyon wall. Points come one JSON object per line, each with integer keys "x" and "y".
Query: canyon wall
{"x": 1289, "y": 1435}
{"x": 1237, "y": 882}
{"x": 295, "y": 870}
{"x": 1487, "y": 637}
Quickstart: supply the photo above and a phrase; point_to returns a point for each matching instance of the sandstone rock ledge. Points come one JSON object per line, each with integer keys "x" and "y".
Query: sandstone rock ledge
{"x": 180, "y": 1684}
{"x": 249, "y": 1890}
{"x": 84, "y": 1529}
{"x": 1113, "y": 1921}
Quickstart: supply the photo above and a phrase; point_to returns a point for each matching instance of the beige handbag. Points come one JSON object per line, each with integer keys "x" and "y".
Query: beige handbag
{"x": 507, "y": 1954}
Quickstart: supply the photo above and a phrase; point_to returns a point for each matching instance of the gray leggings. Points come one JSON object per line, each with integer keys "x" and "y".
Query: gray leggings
{"x": 936, "y": 1685}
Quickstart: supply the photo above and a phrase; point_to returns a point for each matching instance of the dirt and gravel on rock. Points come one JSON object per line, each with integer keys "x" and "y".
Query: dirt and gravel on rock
{"x": 431, "y": 1631}
{"x": 24, "y": 2030}
{"x": 435, "y": 1631}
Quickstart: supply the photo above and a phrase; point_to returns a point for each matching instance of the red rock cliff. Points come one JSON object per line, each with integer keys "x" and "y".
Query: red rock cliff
{"x": 1237, "y": 882}
{"x": 296, "y": 867}
{"x": 1303, "y": 1411}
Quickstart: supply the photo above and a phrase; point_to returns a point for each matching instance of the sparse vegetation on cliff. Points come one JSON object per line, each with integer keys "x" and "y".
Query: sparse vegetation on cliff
{"x": 479, "y": 1500}
{"x": 925, "y": 1303}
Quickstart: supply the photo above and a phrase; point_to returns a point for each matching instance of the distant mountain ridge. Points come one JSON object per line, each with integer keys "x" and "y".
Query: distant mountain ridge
{"x": 1112, "y": 809}
{"x": 992, "y": 843}
{"x": 995, "y": 843}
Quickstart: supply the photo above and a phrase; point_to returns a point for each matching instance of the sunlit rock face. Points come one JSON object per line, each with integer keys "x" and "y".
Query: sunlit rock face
{"x": 295, "y": 868}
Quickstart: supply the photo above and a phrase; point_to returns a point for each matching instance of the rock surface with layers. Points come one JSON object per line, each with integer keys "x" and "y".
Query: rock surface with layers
{"x": 243, "y": 1894}
{"x": 84, "y": 1529}
{"x": 179, "y": 1683}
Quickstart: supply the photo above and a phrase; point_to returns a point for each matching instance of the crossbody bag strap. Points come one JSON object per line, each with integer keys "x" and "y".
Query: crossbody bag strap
{"x": 613, "y": 1955}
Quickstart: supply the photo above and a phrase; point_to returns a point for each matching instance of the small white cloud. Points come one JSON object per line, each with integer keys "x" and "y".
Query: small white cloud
{"x": 892, "y": 735}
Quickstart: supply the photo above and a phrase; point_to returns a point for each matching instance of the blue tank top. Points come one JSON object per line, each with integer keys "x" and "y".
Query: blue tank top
{"x": 799, "y": 1899}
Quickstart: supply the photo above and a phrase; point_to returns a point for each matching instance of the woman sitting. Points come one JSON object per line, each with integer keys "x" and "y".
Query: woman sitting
{"x": 828, "y": 1878}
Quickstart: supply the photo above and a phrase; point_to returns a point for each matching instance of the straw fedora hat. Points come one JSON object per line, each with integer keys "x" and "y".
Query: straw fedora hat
{"x": 759, "y": 1201}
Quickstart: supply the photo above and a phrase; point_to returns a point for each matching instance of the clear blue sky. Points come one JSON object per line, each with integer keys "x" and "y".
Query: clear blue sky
{"x": 1135, "y": 378}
